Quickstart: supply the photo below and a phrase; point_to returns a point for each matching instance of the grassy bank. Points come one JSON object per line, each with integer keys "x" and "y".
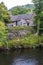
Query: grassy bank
{"x": 27, "y": 42}
{"x": 30, "y": 40}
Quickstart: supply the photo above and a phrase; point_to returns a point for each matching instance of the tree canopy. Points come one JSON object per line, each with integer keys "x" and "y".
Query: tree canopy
{"x": 4, "y": 13}
{"x": 39, "y": 14}
{"x": 4, "y": 18}
{"x": 20, "y": 10}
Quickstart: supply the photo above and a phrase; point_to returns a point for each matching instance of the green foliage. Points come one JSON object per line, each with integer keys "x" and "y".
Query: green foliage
{"x": 4, "y": 18}
{"x": 4, "y": 14}
{"x": 29, "y": 6}
{"x": 26, "y": 42}
{"x": 22, "y": 9}
{"x": 39, "y": 14}
{"x": 19, "y": 10}
{"x": 3, "y": 34}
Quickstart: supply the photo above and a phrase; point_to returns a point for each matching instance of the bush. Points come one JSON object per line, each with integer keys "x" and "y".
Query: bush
{"x": 31, "y": 41}
{"x": 3, "y": 34}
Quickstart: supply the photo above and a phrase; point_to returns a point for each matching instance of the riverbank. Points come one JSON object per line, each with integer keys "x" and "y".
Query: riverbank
{"x": 39, "y": 47}
{"x": 21, "y": 43}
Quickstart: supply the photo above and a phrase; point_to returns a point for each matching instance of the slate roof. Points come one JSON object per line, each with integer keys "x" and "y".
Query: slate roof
{"x": 19, "y": 17}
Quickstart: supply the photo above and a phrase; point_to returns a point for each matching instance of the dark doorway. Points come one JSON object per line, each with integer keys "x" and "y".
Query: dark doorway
{"x": 16, "y": 23}
{"x": 27, "y": 24}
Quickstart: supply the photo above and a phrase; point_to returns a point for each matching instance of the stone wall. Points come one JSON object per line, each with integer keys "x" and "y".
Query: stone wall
{"x": 17, "y": 33}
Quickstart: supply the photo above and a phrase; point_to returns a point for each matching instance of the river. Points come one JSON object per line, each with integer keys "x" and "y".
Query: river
{"x": 22, "y": 57}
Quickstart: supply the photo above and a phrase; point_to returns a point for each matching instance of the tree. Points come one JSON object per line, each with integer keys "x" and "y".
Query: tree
{"x": 4, "y": 14}
{"x": 4, "y": 18}
{"x": 20, "y": 10}
{"x": 39, "y": 14}
{"x": 3, "y": 34}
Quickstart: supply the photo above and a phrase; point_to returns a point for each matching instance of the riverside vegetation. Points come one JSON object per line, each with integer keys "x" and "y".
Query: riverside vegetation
{"x": 30, "y": 40}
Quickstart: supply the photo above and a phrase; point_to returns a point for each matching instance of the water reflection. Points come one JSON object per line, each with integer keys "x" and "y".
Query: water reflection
{"x": 22, "y": 57}
{"x": 25, "y": 62}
